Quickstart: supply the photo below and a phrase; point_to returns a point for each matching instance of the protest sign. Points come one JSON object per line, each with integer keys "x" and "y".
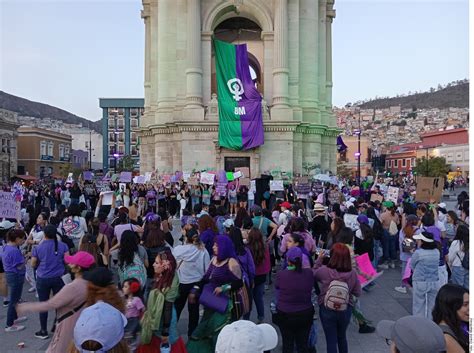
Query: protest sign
{"x": 221, "y": 189}
{"x": 69, "y": 178}
{"x": 237, "y": 175}
{"x": 141, "y": 179}
{"x": 166, "y": 178}
{"x": 207, "y": 178}
{"x": 244, "y": 181}
{"x": 186, "y": 176}
{"x": 107, "y": 197}
{"x": 147, "y": 177}
{"x": 429, "y": 189}
{"x": 253, "y": 186}
{"x": 392, "y": 194}
{"x": 244, "y": 170}
{"x": 376, "y": 197}
{"x": 122, "y": 187}
{"x": 9, "y": 207}
{"x": 366, "y": 271}
{"x": 126, "y": 177}
{"x": 350, "y": 220}
{"x": 102, "y": 186}
{"x": 115, "y": 178}
{"x": 88, "y": 175}
{"x": 303, "y": 185}
{"x": 229, "y": 176}
{"x": 276, "y": 185}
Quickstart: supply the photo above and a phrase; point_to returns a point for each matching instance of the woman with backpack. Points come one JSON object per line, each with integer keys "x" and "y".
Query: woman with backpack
{"x": 458, "y": 257}
{"x": 73, "y": 225}
{"x": 451, "y": 313}
{"x": 96, "y": 243}
{"x": 407, "y": 245}
{"x": 338, "y": 283}
{"x": 294, "y": 309}
{"x": 130, "y": 263}
{"x": 390, "y": 222}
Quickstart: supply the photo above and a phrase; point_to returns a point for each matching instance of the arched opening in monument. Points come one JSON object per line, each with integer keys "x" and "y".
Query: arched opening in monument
{"x": 239, "y": 30}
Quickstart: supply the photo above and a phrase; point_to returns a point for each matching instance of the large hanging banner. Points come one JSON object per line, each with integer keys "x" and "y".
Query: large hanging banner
{"x": 240, "y": 104}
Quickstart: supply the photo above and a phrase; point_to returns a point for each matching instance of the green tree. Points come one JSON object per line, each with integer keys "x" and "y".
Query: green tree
{"x": 125, "y": 164}
{"x": 343, "y": 171}
{"x": 431, "y": 167}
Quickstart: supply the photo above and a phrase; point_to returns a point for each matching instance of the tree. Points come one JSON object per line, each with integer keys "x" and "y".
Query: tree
{"x": 431, "y": 167}
{"x": 343, "y": 171}
{"x": 125, "y": 164}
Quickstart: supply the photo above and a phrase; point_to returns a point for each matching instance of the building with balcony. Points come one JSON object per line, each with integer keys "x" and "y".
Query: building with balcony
{"x": 42, "y": 153}
{"x": 121, "y": 121}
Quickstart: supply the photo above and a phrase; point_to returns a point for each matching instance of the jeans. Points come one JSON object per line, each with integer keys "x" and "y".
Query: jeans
{"x": 389, "y": 245}
{"x": 193, "y": 308}
{"x": 250, "y": 204}
{"x": 257, "y": 293}
{"x": 443, "y": 276}
{"x": 460, "y": 276}
{"x": 375, "y": 261}
{"x": 295, "y": 329}
{"x": 44, "y": 287}
{"x": 424, "y": 295}
{"x": 335, "y": 325}
{"x": 15, "y": 286}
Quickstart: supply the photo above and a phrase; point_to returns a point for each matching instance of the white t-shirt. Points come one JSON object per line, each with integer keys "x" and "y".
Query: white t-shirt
{"x": 74, "y": 227}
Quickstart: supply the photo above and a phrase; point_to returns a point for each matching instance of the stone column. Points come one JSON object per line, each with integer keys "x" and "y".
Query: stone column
{"x": 331, "y": 14}
{"x": 293, "y": 60}
{"x": 309, "y": 80}
{"x": 322, "y": 61}
{"x": 166, "y": 59}
{"x": 145, "y": 14}
{"x": 267, "y": 38}
{"x": 281, "y": 109}
{"x": 206, "y": 42}
{"x": 194, "y": 109}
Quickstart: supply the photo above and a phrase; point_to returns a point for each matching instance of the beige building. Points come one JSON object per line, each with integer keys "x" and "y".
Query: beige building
{"x": 8, "y": 147}
{"x": 457, "y": 156}
{"x": 290, "y": 55}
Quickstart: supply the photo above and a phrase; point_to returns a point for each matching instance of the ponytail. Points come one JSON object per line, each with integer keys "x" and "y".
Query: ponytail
{"x": 55, "y": 238}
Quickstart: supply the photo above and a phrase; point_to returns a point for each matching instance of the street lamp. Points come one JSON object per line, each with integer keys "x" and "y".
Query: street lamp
{"x": 358, "y": 132}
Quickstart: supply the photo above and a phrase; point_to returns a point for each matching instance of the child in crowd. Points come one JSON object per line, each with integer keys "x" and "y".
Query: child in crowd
{"x": 134, "y": 311}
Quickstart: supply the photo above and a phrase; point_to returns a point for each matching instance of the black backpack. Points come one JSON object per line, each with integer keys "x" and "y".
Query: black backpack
{"x": 465, "y": 260}
{"x": 65, "y": 239}
{"x": 378, "y": 230}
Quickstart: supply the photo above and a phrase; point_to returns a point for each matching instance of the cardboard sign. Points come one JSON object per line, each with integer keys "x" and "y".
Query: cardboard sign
{"x": 276, "y": 185}
{"x": 303, "y": 188}
{"x": 229, "y": 176}
{"x": 126, "y": 177}
{"x": 238, "y": 175}
{"x": 429, "y": 188}
{"x": 207, "y": 178}
{"x": 115, "y": 177}
{"x": 102, "y": 186}
{"x": 140, "y": 179}
{"x": 350, "y": 220}
{"x": 244, "y": 181}
{"x": 392, "y": 194}
{"x": 9, "y": 207}
{"x": 122, "y": 187}
{"x": 366, "y": 271}
{"x": 147, "y": 177}
{"x": 244, "y": 170}
{"x": 376, "y": 197}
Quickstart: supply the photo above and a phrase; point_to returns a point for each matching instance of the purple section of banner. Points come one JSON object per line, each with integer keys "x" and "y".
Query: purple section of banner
{"x": 251, "y": 122}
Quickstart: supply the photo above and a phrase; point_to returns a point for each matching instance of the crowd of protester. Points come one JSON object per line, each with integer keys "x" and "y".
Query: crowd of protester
{"x": 119, "y": 281}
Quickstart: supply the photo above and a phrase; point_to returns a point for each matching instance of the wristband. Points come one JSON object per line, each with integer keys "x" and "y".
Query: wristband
{"x": 225, "y": 287}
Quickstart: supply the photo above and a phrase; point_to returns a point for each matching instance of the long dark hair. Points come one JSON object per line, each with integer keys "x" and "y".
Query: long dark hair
{"x": 128, "y": 248}
{"x": 462, "y": 234}
{"x": 449, "y": 300}
{"x": 256, "y": 246}
{"x": 236, "y": 236}
{"x": 367, "y": 233}
{"x": 239, "y": 218}
{"x": 166, "y": 278}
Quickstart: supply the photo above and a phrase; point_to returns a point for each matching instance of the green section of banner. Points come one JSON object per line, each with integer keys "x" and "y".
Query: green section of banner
{"x": 230, "y": 131}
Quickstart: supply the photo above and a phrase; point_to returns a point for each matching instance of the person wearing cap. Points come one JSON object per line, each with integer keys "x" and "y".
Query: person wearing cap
{"x": 48, "y": 260}
{"x": 320, "y": 226}
{"x": 424, "y": 264}
{"x": 295, "y": 310}
{"x": 407, "y": 245}
{"x": 285, "y": 213}
{"x": 193, "y": 261}
{"x": 412, "y": 334}
{"x": 5, "y": 226}
{"x": 100, "y": 328}
{"x": 246, "y": 337}
{"x": 68, "y": 302}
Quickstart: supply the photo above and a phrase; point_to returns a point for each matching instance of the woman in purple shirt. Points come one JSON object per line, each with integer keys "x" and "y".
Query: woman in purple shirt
{"x": 48, "y": 259}
{"x": 295, "y": 310}
{"x": 14, "y": 265}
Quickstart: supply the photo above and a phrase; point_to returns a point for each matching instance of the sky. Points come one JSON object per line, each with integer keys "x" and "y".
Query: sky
{"x": 69, "y": 53}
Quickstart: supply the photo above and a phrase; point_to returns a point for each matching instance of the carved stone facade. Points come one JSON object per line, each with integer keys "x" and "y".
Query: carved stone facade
{"x": 8, "y": 144}
{"x": 289, "y": 42}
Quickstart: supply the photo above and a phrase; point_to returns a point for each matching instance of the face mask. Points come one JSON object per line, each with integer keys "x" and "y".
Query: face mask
{"x": 291, "y": 267}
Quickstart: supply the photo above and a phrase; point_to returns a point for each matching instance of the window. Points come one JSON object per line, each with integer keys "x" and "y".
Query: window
{"x": 74, "y": 159}
{"x": 87, "y": 144}
{"x": 121, "y": 149}
{"x": 390, "y": 163}
{"x": 413, "y": 162}
{"x": 404, "y": 163}
{"x": 134, "y": 123}
{"x": 112, "y": 111}
{"x": 120, "y": 111}
{"x": 387, "y": 163}
{"x": 121, "y": 137}
{"x": 67, "y": 151}
{"x": 111, "y": 124}
{"x": 43, "y": 151}
{"x": 61, "y": 151}
{"x": 134, "y": 151}
{"x": 133, "y": 112}
{"x": 50, "y": 148}
{"x": 142, "y": 111}
{"x": 112, "y": 162}
{"x": 395, "y": 163}
{"x": 111, "y": 137}
{"x": 134, "y": 138}
{"x": 111, "y": 150}
{"x": 120, "y": 124}
{"x": 407, "y": 162}
{"x": 50, "y": 170}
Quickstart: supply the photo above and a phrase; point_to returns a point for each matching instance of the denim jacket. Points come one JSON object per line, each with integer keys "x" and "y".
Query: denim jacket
{"x": 424, "y": 264}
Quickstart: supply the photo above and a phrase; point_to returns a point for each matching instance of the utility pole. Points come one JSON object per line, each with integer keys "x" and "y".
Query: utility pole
{"x": 90, "y": 150}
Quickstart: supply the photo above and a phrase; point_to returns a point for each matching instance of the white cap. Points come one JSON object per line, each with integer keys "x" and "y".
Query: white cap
{"x": 442, "y": 205}
{"x": 246, "y": 337}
